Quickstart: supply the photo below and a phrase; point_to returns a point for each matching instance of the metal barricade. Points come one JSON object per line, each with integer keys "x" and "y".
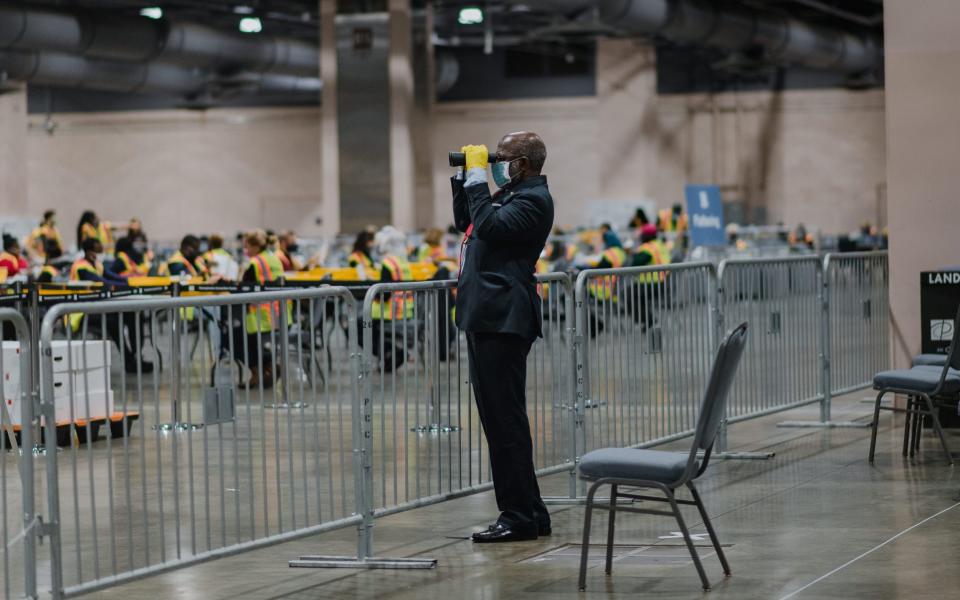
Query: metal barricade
{"x": 247, "y": 437}
{"x": 858, "y": 326}
{"x": 17, "y": 517}
{"x": 645, "y": 342}
{"x": 782, "y": 300}
{"x": 427, "y": 441}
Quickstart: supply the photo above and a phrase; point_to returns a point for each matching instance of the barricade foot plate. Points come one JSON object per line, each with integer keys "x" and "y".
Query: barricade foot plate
{"x": 349, "y": 562}
{"x": 178, "y": 426}
{"x": 435, "y": 428}
{"x": 825, "y": 424}
{"x": 744, "y": 455}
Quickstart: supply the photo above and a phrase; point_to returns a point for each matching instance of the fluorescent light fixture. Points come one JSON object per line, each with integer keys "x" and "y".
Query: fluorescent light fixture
{"x": 470, "y": 16}
{"x": 152, "y": 12}
{"x": 251, "y": 25}
{"x": 242, "y": 9}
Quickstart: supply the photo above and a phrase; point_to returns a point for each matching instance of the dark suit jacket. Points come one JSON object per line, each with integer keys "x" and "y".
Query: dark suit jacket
{"x": 497, "y": 291}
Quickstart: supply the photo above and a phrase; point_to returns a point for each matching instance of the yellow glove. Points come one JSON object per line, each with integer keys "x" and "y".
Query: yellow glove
{"x": 476, "y": 156}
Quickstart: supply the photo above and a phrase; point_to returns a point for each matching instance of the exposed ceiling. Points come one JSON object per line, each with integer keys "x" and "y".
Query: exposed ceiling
{"x": 547, "y": 26}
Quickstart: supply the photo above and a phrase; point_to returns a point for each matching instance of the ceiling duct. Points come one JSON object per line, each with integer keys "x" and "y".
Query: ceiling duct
{"x": 137, "y": 39}
{"x": 59, "y": 69}
{"x": 784, "y": 40}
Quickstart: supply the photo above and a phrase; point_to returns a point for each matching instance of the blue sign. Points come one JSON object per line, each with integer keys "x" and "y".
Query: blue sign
{"x": 705, "y": 215}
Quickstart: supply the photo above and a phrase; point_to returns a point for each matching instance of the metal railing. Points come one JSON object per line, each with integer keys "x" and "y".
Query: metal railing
{"x": 328, "y": 416}
{"x": 782, "y": 299}
{"x": 427, "y": 441}
{"x": 17, "y": 485}
{"x": 646, "y": 336}
{"x": 201, "y": 460}
{"x": 858, "y": 322}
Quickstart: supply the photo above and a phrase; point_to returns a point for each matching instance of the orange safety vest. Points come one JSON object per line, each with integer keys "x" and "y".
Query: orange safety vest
{"x": 82, "y": 264}
{"x": 656, "y": 259}
{"x": 400, "y": 305}
{"x": 180, "y": 259}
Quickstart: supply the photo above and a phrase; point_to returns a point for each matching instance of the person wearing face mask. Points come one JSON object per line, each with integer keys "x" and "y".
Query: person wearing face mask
{"x": 125, "y": 263}
{"x": 498, "y": 308}
{"x": 89, "y": 267}
{"x": 184, "y": 261}
{"x": 286, "y": 247}
{"x": 361, "y": 258}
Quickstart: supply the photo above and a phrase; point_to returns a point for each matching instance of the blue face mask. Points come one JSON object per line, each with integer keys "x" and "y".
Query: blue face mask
{"x": 501, "y": 173}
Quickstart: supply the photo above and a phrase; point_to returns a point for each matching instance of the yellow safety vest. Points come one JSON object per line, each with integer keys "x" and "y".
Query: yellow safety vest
{"x": 261, "y": 317}
{"x": 81, "y": 265}
{"x": 399, "y": 305}
{"x": 658, "y": 256}
{"x": 366, "y": 269}
{"x": 603, "y": 288}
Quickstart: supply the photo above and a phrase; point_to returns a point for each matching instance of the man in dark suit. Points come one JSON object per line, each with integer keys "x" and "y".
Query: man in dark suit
{"x": 498, "y": 308}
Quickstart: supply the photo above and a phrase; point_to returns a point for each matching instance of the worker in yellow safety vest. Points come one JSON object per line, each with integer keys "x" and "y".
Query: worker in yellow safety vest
{"x": 91, "y": 227}
{"x": 89, "y": 267}
{"x": 652, "y": 252}
{"x": 361, "y": 259}
{"x": 51, "y": 253}
{"x": 612, "y": 257}
{"x": 47, "y": 230}
{"x": 394, "y": 267}
{"x": 672, "y": 220}
{"x": 432, "y": 250}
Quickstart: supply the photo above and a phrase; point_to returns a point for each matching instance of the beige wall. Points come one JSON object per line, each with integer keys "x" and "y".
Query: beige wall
{"x": 811, "y": 156}
{"x": 13, "y": 142}
{"x": 922, "y": 54}
{"x": 180, "y": 171}
{"x": 816, "y": 157}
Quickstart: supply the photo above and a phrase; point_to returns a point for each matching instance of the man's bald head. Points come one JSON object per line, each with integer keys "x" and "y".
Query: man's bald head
{"x": 526, "y": 145}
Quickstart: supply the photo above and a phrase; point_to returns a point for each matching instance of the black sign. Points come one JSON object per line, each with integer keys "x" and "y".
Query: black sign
{"x": 939, "y": 298}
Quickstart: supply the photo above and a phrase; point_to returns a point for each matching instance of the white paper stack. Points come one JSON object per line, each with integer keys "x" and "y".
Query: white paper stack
{"x": 81, "y": 373}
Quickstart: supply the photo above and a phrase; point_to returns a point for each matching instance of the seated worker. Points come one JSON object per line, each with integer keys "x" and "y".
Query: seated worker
{"x": 652, "y": 251}
{"x": 125, "y": 261}
{"x": 10, "y": 258}
{"x": 432, "y": 250}
{"x": 47, "y": 230}
{"x": 52, "y": 253}
{"x": 260, "y": 319}
{"x": 185, "y": 260}
{"x": 219, "y": 262}
{"x": 286, "y": 247}
{"x": 89, "y": 267}
{"x": 361, "y": 259}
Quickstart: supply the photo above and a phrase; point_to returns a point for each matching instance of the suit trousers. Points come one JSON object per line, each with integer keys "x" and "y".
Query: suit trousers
{"x": 498, "y": 372}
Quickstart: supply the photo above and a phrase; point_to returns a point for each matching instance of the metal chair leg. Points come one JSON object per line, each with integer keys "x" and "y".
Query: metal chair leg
{"x": 875, "y": 425}
{"x": 907, "y": 426}
{"x": 918, "y": 415}
{"x": 713, "y": 534}
{"x": 936, "y": 427}
{"x": 585, "y": 547}
{"x": 687, "y": 539}
{"x": 610, "y": 528}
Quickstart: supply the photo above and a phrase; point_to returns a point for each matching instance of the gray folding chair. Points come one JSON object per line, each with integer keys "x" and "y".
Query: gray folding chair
{"x": 926, "y": 387}
{"x": 664, "y": 471}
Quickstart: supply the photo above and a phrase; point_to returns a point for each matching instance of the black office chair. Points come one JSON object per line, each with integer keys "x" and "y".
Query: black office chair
{"x": 665, "y": 471}
{"x": 926, "y": 387}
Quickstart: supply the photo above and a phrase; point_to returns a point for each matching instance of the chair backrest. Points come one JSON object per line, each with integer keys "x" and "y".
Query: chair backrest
{"x": 718, "y": 388}
{"x": 953, "y": 354}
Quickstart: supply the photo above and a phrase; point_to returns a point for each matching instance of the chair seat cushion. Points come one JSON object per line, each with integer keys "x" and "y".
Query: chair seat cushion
{"x": 921, "y": 379}
{"x": 930, "y": 359}
{"x": 630, "y": 463}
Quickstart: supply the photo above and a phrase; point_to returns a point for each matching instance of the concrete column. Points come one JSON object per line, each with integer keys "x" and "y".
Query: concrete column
{"x": 400, "y": 72}
{"x": 13, "y": 152}
{"x": 922, "y": 58}
{"x": 329, "y": 121}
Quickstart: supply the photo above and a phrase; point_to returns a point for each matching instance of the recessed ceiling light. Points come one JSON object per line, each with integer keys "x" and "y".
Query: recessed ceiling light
{"x": 152, "y": 12}
{"x": 251, "y": 25}
{"x": 470, "y": 16}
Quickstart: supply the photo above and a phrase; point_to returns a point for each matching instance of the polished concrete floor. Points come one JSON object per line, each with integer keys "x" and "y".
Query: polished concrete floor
{"x": 816, "y": 521}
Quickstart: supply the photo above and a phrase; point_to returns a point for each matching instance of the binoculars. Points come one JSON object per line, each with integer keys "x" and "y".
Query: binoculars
{"x": 459, "y": 159}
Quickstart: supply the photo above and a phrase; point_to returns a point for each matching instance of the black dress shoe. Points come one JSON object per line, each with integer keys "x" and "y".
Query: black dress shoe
{"x": 544, "y": 529}
{"x": 499, "y": 533}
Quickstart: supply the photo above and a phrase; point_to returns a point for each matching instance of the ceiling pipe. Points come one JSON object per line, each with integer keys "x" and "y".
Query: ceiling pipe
{"x": 71, "y": 71}
{"x": 784, "y": 40}
{"x": 138, "y": 39}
